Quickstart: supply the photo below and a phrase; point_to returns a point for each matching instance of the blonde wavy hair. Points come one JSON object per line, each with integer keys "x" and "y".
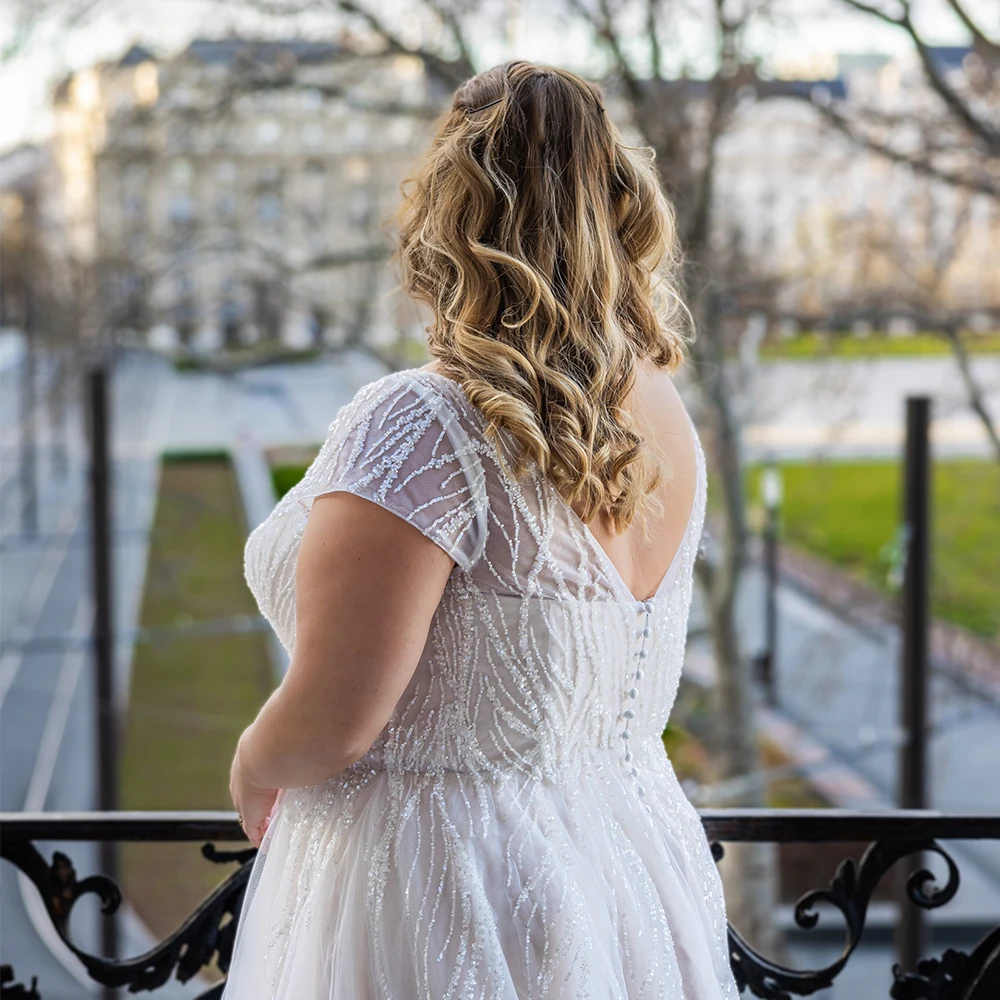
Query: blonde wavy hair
{"x": 545, "y": 250}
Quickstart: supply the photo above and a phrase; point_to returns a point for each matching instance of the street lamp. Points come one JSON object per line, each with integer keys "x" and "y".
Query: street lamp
{"x": 771, "y": 495}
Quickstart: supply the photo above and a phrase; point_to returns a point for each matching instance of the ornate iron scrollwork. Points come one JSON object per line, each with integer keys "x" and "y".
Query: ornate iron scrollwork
{"x": 954, "y": 976}
{"x": 9, "y": 990}
{"x": 208, "y": 933}
{"x": 850, "y": 891}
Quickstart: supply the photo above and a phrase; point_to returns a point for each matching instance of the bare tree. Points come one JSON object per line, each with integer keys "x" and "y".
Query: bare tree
{"x": 952, "y": 139}
{"x": 915, "y": 264}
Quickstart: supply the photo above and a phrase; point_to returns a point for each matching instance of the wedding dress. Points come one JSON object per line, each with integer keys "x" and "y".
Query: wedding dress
{"x": 517, "y": 830}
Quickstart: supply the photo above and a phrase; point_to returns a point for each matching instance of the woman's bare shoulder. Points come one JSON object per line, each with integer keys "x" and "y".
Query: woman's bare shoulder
{"x": 656, "y": 401}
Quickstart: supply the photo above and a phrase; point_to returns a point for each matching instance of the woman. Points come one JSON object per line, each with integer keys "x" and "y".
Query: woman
{"x": 484, "y": 582}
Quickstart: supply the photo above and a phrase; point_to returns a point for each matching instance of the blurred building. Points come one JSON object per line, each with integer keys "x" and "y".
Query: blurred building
{"x": 21, "y": 176}
{"x": 237, "y": 191}
{"x": 814, "y": 227}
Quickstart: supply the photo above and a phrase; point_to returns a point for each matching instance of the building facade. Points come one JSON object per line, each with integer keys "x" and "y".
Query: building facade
{"x": 240, "y": 191}
{"x": 839, "y": 235}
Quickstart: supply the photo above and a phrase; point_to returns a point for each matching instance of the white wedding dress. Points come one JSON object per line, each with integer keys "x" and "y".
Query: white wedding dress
{"x": 517, "y": 830}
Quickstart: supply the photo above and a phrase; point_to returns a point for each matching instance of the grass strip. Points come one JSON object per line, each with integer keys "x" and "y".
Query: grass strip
{"x": 190, "y": 697}
{"x": 850, "y": 513}
{"x": 817, "y": 346}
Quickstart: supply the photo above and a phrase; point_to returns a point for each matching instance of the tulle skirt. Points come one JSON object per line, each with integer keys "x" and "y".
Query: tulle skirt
{"x": 395, "y": 885}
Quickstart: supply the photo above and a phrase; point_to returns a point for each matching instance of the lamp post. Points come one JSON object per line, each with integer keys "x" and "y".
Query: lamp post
{"x": 771, "y": 490}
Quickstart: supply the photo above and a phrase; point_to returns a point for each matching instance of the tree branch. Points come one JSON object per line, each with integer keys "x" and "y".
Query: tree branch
{"x": 451, "y": 72}
{"x": 867, "y": 8}
{"x": 974, "y": 392}
{"x": 604, "y": 29}
{"x": 959, "y": 107}
{"x": 452, "y": 23}
{"x": 983, "y": 184}
{"x": 652, "y": 29}
{"x": 973, "y": 28}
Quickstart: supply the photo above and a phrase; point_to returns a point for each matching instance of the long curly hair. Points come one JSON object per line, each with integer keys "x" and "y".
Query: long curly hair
{"x": 546, "y": 251}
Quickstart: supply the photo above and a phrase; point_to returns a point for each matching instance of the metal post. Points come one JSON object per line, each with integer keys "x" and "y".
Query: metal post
{"x": 911, "y": 930}
{"x": 103, "y": 634}
{"x": 771, "y": 490}
{"x": 771, "y": 608}
{"x": 29, "y": 449}
{"x": 57, "y": 414}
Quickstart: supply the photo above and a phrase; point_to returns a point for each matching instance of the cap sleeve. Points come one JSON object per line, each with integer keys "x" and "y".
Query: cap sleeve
{"x": 403, "y": 445}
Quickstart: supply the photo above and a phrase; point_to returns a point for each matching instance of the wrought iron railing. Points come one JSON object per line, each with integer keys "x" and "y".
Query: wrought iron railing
{"x": 208, "y": 933}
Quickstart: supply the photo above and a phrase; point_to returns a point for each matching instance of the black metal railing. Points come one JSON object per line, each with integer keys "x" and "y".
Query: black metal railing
{"x": 208, "y": 934}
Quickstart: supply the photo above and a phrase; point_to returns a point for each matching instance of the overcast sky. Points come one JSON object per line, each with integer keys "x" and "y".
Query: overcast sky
{"x": 806, "y": 39}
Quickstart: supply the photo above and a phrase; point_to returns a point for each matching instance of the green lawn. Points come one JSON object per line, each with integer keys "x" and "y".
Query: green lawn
{"x": 191, "y": 697}
{"x": 849, "y": 512}
{"x": 815, "y": 346}
{"x": 284, "y": 477}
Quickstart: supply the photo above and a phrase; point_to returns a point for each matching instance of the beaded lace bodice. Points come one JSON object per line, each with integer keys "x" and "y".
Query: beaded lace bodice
{"x": 517, "y": 830}
{"x": 538, "y": 652}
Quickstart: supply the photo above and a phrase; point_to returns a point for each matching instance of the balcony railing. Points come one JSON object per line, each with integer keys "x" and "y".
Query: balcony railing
{"x": 208, "y": 933}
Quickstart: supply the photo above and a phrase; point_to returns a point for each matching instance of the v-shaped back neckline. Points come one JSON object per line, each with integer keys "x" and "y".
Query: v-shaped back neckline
{"x": 614, "y": 574}
{"x": 611, "y": 569}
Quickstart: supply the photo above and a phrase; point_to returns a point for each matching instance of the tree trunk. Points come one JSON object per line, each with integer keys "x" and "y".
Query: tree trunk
{"x": 972, "y": 389}
{"x": 749, "y": 871}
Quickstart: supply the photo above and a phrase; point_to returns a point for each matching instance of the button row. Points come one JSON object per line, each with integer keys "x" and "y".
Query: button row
{"x": 644, "y": 608}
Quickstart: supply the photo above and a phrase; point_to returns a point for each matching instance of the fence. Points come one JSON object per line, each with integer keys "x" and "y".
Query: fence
{"x": 208, "y": 933}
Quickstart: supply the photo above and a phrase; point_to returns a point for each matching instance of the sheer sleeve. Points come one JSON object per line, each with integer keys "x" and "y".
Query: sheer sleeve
{"x": 402, "y": 445}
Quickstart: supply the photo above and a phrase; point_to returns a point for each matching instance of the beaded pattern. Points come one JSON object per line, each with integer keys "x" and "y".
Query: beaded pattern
{"x": 517, "y": 830}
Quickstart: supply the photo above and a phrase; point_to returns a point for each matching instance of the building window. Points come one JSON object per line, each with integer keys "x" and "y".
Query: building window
{"x": 180, "y": 207}
{"x": 134, "y": 191}
{"x": 268, "y": 132}
{"x": 312, "y": 99}
{"x": 357, "y": 133}
{"x": 401, "y": 131}
{"x": 181, "y": 172}
{"x": 408, "y": 68}
{"x": 359, "y": 208}
{"x": 269, "y": 175}
{"x": 312, "y": 134}
{"x": 225, "y": 206}
{"x": 356, "y": 170}
{"x": 269, "y": 209}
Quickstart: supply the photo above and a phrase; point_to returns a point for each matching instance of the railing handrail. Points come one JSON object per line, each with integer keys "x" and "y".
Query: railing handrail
{"x": 207, "y": 935}
{"x": 769, "y": 825}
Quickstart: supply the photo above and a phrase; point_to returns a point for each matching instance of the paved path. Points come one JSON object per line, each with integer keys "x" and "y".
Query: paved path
{"x": 46, "y": 712}
{"x": 798, "y": 409}
{"x": 840, "y": 685}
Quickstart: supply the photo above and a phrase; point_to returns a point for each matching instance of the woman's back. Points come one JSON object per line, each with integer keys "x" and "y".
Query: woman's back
{"x": 517, "y": 824}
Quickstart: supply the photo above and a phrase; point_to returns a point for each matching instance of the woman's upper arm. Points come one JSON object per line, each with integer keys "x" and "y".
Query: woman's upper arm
{"x": 395, "y": 499}
{"x": 367, "y": 586}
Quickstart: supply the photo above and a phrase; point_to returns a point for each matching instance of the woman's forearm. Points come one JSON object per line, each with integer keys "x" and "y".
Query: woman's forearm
{"x": 280, "y": 749}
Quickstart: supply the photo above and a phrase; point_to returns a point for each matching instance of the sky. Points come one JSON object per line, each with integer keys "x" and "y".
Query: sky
{"x": 804, "y": 40}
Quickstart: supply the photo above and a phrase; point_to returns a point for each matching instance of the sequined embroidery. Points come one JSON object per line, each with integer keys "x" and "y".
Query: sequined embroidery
{"x": 517, "y": 830}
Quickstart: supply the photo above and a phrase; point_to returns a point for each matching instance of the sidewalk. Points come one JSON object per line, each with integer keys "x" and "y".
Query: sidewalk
{"x": 837, "y": 719}
{"x": 953, "y": 649}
